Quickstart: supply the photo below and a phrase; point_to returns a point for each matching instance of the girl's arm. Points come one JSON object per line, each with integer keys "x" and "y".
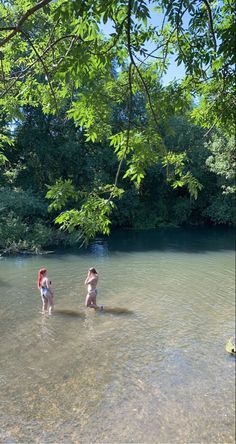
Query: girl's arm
{"x": 91, "y": 280}
{"x": 48, "y": 285}
{"x": 86, "y": 282}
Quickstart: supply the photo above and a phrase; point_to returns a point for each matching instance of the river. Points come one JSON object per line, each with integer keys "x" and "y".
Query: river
{"x": 151, "y": 368}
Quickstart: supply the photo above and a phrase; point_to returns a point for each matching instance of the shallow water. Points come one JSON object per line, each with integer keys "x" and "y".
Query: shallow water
{"x": 150, "y": 368}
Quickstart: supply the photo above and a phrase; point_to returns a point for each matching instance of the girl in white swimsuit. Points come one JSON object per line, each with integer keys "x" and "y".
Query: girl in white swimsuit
{"x": 91, "y": 282}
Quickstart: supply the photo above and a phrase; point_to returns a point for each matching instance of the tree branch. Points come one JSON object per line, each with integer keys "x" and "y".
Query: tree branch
{"x": 212, "y": 126}
{"x": 7, "y": 28}
{"x": 135, "y": 64}
{"x": 211, "y": 26}
{"x": 43, "y": 65}
{"x": 17, "y": 28}
{"x": 130, "y": 104}
{"x": 26, "y": 70}
{"x": 3, "y": 74}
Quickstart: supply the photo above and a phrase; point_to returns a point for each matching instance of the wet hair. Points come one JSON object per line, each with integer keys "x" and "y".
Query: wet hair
{"x": 93, "y": 270}
{"x": 41, "y": 273}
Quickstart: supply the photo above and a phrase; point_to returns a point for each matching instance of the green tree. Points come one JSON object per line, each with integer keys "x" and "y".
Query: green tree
{"x": 222, "y": 161}
{"x": 54, "y": 54}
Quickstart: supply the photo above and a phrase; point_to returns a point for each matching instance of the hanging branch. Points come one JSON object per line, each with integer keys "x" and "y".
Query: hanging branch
{"x": 211, "y": 26}
{"x": 130, "y": 102}
{"x": 17, "y": 28}
{"x": 130, "y": 106}
{"x": 135, "y": 64}
{"x": 43, "y": 65}
{"x": 212, "y": 126}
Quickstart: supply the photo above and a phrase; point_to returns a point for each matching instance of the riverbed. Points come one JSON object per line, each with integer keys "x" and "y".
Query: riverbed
{"x": 150, "y": 368}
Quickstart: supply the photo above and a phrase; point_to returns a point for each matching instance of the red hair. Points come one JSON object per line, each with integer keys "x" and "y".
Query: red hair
{"x": 41, "y": 272}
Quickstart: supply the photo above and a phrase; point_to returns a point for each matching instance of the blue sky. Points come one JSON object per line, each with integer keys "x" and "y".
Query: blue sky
{"x": 174, "y": 72}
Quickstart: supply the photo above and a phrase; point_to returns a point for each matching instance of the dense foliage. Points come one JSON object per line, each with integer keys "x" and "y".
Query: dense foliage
{"x": 45, "y": 150}
{"x": 86, "y": 120}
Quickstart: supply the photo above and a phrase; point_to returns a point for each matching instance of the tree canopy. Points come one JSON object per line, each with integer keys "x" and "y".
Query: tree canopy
{"x": 57, "y": 55}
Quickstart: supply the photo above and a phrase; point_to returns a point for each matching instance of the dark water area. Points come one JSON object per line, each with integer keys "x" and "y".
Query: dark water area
{"x": 151, "y": 368}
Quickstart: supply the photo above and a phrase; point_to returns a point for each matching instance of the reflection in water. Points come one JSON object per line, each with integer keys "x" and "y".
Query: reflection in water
{"x": 99, "y": 248}
{"x": 189, "y": 240}
{"x": 151, "y": 368}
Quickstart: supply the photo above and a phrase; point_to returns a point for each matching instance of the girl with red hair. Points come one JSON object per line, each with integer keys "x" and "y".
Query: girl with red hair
{"x": 47, "y": 295}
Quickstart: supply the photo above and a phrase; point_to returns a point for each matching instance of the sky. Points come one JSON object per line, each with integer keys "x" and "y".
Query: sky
{"x": 174, "y": 72}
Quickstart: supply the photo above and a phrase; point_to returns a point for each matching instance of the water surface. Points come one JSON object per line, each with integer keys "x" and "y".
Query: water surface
{"x": 151, "y": 368}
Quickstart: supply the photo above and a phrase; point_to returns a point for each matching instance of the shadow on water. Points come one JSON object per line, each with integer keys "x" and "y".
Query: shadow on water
{"x": 4, "y": 284}
{"x": 68, "y": 313}
{"x": 80, "y": 314}
{"x": 117, "y": 311}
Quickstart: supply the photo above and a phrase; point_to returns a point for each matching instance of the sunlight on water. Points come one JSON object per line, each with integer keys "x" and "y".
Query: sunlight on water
{"x": 150, "y": 368}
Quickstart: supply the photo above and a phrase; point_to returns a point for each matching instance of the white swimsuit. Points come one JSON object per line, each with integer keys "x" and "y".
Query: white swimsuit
{"x": 92, "y": 291}
{"x": 44, "y": 292}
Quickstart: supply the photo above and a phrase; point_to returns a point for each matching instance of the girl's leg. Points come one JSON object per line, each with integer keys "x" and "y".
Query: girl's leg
{"x": 50, "y": 304}
{"x": 89, "y": 301}
{"x": 45, "y": 303}
{"x": 94, "y": 301}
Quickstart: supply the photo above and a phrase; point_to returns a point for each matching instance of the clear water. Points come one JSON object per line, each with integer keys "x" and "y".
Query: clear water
{"x": 151, "y": 368}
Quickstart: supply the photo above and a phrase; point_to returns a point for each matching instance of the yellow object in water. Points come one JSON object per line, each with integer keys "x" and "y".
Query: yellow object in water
{"x": 230, "y": 346}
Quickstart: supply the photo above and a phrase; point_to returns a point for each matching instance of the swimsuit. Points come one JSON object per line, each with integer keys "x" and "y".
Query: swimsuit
{"x": 93, "y": 292}
{"x": 44, "y": 292}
